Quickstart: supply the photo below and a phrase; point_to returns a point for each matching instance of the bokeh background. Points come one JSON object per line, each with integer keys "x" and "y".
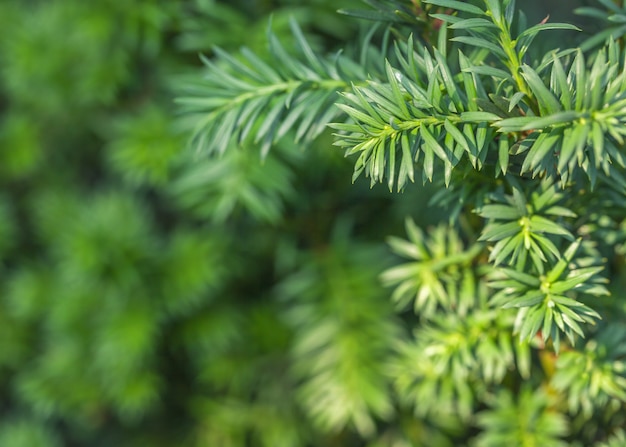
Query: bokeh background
{"x": 150, "y": 296}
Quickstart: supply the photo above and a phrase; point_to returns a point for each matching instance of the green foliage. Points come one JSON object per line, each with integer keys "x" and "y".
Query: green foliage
{"x": 525, "y": 420}
{"x": 234, "y": 291}
{"x": 144, "y": 147}
{"x": 525, "y": 150}
{"x": 215, "y": 189}
{"x": 594, "y": 374}
{"x": 44, "y": 83}
{"x": 520, "y": 229}
{"x": 441, "y": 277}
{"x": 334, "y": 308}
{"x": 239, "y": 98}
{"x": 23, "y": 433}
{"x": 614, "y": 441}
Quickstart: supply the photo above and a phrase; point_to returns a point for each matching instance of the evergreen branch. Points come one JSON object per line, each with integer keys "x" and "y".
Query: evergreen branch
{"x": 491, "y": 30}
{"x": 524, "y": 418}
{"x": 440, "y": 276}
{"x": 438, "y": 372}
{"x": 343, "y": 328}
{"x": 429, "y": 115}
{"x": 543, "y": 300}
{"x": 521, "y": 228}
{"x": 593, "y": 376}
{"x": 420, "y": 114}
{"x": 264, "y": 100}
{"x": 580, "y": 125}
{"x": 216, "y": 188}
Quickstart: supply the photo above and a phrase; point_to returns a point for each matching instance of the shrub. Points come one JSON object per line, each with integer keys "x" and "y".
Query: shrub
{"x": 241, "y": 293}
{"x": 513, "y": 328}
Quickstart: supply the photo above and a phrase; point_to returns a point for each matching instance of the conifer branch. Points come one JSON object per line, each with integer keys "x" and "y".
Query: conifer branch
{"x": 247, "y": 97}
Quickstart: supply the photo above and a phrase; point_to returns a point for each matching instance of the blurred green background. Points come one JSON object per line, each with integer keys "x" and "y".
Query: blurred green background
{"x": 153, "y": 297}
